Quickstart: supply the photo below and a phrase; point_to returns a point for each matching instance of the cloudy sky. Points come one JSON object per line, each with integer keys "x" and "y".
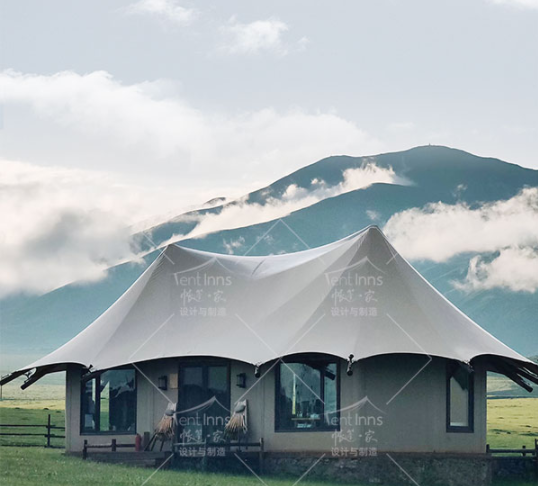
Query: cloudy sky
{"x": 117, "y": 111}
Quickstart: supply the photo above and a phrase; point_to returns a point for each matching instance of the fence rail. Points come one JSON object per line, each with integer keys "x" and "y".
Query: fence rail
{"x": 48, "y": 433}
{"x": 113, "y": 446}
{"x": 524, "y": 450}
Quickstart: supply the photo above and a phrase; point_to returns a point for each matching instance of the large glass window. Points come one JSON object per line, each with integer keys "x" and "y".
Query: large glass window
{"x": 460, "y": 399}
{"x": 307, "y": 396}
{"x": 108, "y": 402}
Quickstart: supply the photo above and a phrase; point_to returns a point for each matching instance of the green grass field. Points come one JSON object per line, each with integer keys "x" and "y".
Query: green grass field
{"x": 40, "y": 467}
{"x": 511, "y": 424}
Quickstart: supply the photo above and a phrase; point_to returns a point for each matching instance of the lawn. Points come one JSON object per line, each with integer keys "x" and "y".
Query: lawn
{"x": 40, "y": 467}
{"x": 33, "y": 409}
{"x": 512, "y": 423}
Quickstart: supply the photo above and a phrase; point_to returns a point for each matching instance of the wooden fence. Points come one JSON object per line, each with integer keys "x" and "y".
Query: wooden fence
{"x": 48, "y": 435}
{"x": 113, "y": 446}
{"x": 524, "y": 450}
{"x": 528, "y": 454}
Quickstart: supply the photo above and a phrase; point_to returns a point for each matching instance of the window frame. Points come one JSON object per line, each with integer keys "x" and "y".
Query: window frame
{"x": 451, "y": 367}
{"x": 97, "y": 413}
{"x": 308, "y": 360}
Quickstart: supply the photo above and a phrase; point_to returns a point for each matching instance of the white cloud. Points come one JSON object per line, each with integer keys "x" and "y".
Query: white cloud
{"x": 147, "y": 121}
{"x": 232, "y": 245}
{"x": 168, "y": 10}
{"x": 258, "y": 36}
{"x": 440, "y": 231}
{"x": 53, "y": 230}
{"x": 517, "y": 3}
{"x": 515, "y": 269}
{"x": 64, "y": 225}
{"x": 294, "y": 198}
{"x": 373, "y": 215}
{"x": 142, "y": 122}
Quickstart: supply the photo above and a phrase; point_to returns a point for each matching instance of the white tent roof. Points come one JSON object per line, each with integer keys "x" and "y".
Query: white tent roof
{"x": 356, "y": 296}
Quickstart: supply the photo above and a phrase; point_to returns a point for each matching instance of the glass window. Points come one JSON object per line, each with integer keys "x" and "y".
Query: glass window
{"x": 307, "y": 396}
{"x": 460, "y": 399}
{"x": 108, "y": 402}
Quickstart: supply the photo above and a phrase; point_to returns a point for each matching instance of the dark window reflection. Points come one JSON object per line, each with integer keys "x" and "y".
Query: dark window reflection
{"x": 108, "y": 402}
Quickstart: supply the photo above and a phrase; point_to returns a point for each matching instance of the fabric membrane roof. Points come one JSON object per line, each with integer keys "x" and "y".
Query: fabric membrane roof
{"x": 356, "y": 296}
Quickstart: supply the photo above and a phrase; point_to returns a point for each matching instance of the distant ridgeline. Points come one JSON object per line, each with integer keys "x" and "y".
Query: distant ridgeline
{"x": 35, "y": 325}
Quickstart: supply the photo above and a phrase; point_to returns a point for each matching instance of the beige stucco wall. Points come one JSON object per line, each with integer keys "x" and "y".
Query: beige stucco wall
{"x": 412, "y": 413}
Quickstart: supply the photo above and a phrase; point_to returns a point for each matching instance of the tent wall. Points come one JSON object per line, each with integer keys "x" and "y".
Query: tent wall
{"x": 413, "y": 421}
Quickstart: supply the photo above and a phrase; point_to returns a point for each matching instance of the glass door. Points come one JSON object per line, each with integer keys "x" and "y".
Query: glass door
{"x": 203, "y": 402}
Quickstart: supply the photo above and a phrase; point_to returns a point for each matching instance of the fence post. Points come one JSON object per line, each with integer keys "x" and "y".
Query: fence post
{"x": 85, "y": 450}
{"x": 113, "y": 446}
{"x": 536, "y": 459}
{"x": 48, "y": 432}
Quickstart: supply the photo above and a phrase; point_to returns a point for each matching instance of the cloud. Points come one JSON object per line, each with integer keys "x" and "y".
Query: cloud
{"x": 440, "y": 231}
{"x": 504, "y": 232}
{"x": 373, "y": 215}
{"x": 53, "y": 232}
{"x": 515, "y": 269}
{"x": 65, "y": 225}
{"x": 258, "y": 36}
{"x": 294, "y": 198}
{"x": 532, "y": 4}
{"x": 232, "y": 245}
{"x": 168, "y": 10}
{"x": 134, "y": 123}
{"x": 69, "y": 225}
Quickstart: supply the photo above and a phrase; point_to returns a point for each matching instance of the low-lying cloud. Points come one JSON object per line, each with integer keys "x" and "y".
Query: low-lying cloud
{"x": 294, "y": 198}
{"x": 515, "y": 269}
{"x": 65, "y": 225}
{"x": 68, "y": 225}
{"x": 507, "y": 230}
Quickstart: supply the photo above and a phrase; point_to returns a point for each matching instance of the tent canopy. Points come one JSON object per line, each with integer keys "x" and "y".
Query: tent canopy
{"x": 355, "y": 297}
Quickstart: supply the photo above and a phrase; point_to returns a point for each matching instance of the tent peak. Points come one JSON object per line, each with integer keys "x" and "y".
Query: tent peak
{"x": 371, "y": 229}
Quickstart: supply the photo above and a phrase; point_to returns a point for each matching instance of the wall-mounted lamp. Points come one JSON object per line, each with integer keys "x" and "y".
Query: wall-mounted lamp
{"x": 162, "y": 382}
{"x": 241, "y": 380}
{"x": 350, "y": 364}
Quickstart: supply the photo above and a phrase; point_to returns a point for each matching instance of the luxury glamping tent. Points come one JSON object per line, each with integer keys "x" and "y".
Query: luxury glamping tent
{"x": 343, "y": 350}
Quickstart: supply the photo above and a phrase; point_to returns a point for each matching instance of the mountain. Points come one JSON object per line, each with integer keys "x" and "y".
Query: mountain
{"x": 38, "y": 324}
